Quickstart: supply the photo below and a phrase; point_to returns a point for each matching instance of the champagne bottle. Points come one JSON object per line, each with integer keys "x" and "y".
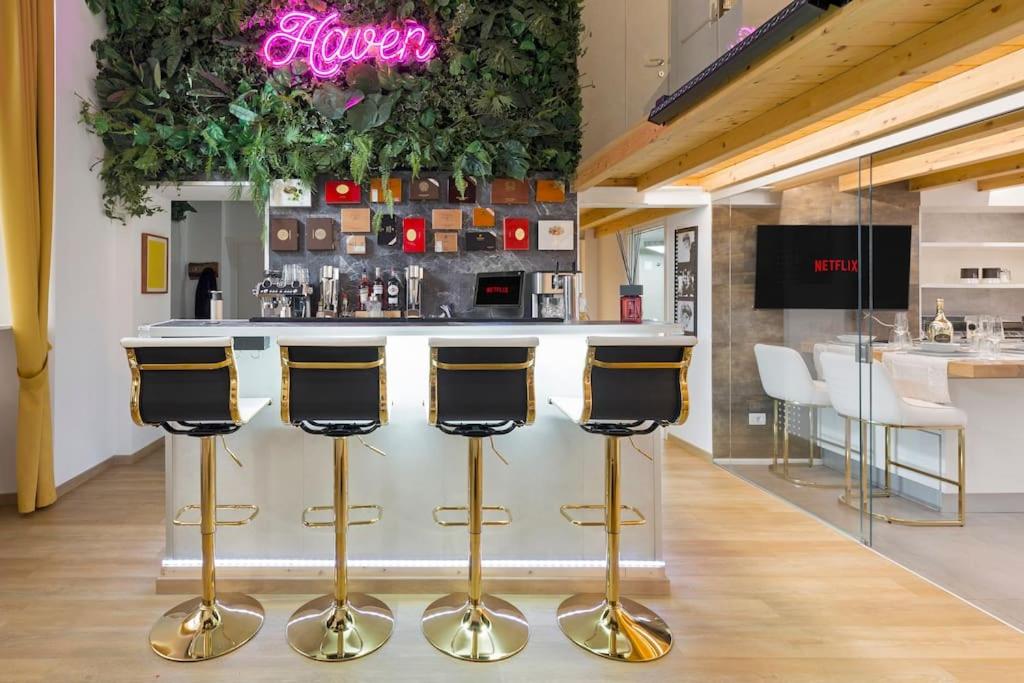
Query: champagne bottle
{"x": 940, "y": 329}
{"x": 364, "y": 290}
{"x": 378, "y": 288}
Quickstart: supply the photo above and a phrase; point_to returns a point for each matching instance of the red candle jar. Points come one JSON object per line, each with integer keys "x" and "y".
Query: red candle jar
{"x": 631, "y": 303}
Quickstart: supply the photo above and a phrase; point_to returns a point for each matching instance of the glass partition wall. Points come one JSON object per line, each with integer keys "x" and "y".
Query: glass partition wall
{"x": 881, "y": 307}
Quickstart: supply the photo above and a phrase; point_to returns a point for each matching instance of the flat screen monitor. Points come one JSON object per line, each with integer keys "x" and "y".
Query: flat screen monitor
{"x": 499, "y": 290}
{"x": 821, "y": 266}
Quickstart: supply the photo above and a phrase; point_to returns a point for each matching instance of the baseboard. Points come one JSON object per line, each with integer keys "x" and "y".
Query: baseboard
{"x": 306, "y": 580}
{"x": 82, "y": 477}
{"x": 695, "y": 450}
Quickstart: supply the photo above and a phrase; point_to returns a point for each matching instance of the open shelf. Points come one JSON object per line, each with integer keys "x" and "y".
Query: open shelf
{"x": 974, "y": 245}
{"x": 960, "y": 285}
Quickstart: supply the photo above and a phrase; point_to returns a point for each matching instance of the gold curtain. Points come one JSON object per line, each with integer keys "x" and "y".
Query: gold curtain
{"x": 26, "y": 214}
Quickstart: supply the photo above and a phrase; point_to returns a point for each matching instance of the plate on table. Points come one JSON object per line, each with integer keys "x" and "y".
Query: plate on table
{"x": 855, "y": 339}
{"x": 941, "y": 349}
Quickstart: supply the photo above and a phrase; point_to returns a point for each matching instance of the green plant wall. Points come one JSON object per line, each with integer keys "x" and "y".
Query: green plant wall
{"x": 181, "y": 95}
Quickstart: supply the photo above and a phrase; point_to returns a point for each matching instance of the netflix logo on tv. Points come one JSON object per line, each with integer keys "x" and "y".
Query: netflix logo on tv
{"x": 842, "y": 267}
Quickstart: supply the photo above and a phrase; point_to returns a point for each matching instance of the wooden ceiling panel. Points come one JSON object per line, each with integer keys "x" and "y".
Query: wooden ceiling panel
{"x": 1001, "y": 181}
{"x": 985, "y": 169}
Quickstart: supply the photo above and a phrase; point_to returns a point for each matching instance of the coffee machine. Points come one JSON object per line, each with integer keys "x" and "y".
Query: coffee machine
{"x": 554, "y": 294}
{"x": 281, "y": 298}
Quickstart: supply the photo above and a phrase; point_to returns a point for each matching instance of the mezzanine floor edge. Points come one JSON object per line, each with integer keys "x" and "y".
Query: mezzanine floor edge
{"x": 760, "y": 592}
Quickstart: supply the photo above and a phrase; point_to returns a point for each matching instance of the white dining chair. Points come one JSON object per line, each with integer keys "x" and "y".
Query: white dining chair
{"x": 786, "y": 379}
{"x": 865, "y": 393}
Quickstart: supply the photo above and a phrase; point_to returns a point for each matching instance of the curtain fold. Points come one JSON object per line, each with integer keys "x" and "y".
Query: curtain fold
{"x": 26, "y": 215}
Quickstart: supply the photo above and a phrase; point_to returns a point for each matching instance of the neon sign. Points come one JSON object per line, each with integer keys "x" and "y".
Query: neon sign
{"x": 327, "y": 45}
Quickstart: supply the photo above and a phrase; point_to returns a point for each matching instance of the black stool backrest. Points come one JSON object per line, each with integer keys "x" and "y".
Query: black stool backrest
{"x": 333, "y": 380}
{"x": 183, "y": 380}
{"x": 482, "y": 381}
{"x": 637, "y": 379}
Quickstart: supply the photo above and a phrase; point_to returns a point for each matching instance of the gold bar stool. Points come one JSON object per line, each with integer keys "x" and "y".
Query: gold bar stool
{"x": 478, "y": 388}
{"x": 864, "y": 393}
{"x": 190, "y": 387}
{"x": 336, "y": 387}
{"x": 631, "y": 386}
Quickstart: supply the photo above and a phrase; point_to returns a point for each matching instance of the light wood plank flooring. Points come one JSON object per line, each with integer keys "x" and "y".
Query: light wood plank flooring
{"x": 761, "y": 592}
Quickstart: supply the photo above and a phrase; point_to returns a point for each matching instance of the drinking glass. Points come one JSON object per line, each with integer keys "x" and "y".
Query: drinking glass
{"x": 997, "y": 329}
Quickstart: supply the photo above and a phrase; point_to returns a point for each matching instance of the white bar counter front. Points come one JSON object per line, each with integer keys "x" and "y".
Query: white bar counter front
{"x": 551, "y": 462}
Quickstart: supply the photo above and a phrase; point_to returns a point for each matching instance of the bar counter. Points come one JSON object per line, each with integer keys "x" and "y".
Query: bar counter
{"x": 551, "y": 462}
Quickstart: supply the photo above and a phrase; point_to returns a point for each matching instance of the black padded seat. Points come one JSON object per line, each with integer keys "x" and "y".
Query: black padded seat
{"x": 335, "y": 386}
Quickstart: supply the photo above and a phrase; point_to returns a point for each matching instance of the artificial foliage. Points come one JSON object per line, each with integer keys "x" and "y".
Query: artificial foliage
{"x": 182, "y": 95}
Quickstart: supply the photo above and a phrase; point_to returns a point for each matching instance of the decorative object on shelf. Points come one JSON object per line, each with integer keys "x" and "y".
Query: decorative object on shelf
{"x": 1005, "y": 276}
{"x": 154, "y": 263}
{"x": 195, "y": 270}
{"x": 284, "y": 234}
{"x": 969, "y": 276}
{"x": 478, "y": 240}
{"x": 390, "y": 233}
{"x": 556, "y": 235}
{"x": 446, "y": 219}
{"x": 342, "y": 192}
{"x": 377, "y": 194}
{"x": 940, "y": 330}
{"x": 510, "y": 191}
{"x": 550, "y": 191}
{"x": 355, "y": 220}
{"x": 467, "y": 196}
{"x": 446, "y": 242}
{"x": 631, "y": 303}
{"x": 291, "y": 192}
{"x": 324, "y": 45}
{"x": 320, "y": 234}
{"x": 414, "y": 235}
{"x": 990, "y": 276}
{"x": 517, "y": 234}
{"x": 355, "y": 245}
{"x": 685, "y": 308}
{"x": 483, "y": 217}
{"x": 425, "y": 190}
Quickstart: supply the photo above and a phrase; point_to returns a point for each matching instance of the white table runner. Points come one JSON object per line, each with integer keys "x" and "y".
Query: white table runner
{"x": 915, "y": 375}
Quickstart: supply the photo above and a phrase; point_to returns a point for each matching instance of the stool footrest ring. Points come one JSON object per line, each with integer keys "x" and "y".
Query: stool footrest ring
{"x": 309, "y": 524}
{"x": 462, "y": 508}
{"x": 640, "y": 520}
{"x": 253, "y": 511}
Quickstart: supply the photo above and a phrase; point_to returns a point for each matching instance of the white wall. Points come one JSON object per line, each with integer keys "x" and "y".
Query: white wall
{"x": 697, "y": 429}
{"x": 96, "y": 275}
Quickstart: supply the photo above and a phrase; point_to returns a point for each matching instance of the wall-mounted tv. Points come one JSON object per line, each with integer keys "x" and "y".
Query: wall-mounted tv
{"x": 820, "y": 266}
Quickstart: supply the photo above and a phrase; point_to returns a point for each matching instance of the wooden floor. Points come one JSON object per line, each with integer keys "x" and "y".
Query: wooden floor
{"x": 761, "y": 592}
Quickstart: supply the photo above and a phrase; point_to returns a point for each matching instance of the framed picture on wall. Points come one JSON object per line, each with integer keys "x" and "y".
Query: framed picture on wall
{"x": 685, "y": 289}
{"x": 154, "y": 264}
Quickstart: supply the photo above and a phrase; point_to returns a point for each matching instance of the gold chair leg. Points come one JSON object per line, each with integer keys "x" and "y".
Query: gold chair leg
{"x": 474, "y": 625}
{"x": 344, "y": 625}
{"x": 784, "y": 472}
{"x": 609, "y": 625}
{"x": 812, "y": 430}
{"x": 211, "y": 625}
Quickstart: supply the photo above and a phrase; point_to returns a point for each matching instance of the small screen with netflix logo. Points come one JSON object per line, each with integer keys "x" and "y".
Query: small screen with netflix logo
{"x": 499, "y": 289}
{"x": 832, "y": 267}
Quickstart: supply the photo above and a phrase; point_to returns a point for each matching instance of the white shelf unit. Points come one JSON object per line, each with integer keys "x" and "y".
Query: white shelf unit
{"x": 960, "y": 285}
{"x": 972, "y": 245}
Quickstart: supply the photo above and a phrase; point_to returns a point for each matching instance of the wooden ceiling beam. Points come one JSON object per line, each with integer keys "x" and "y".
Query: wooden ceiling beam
{"x": 980, "y": 27}
{"x": 591, "y": 218}
{"x": 985, "y": 169}
{"x": 635, "y": 218}
{"x": 976, "y": 151}
{"x": 1001, "y": 181}
{"x": 981, "y": 83}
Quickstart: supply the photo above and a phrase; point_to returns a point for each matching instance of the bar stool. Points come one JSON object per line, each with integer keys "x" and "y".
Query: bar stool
{"x": 786, "y": 379}
{"x": 478, "y": 388}
{"x": 190, "y": 387}
{"x": 631, "y": 386}
{"x": 865, "y": 393}
{"x": 336, "y": 387}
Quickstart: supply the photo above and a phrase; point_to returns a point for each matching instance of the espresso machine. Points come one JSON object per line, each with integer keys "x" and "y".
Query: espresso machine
{"x": 280, "y": 297}
{"x": 554, "y": 294}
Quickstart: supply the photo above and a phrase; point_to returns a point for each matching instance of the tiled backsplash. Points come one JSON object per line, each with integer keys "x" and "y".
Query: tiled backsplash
{"x": 448, "y": 277}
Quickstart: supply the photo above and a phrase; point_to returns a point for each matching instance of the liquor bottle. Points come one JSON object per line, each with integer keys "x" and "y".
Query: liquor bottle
{"x": 394, "y": 302}
{"x": 364, "y": 290}
{"x": 378, "y": 288}
{"x": 940, "y": 329}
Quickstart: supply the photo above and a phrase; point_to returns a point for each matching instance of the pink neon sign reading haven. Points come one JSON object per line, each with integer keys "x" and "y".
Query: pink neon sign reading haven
{"x": 327, "y": 46}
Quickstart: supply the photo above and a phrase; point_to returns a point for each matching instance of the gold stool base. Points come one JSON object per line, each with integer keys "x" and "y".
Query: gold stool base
{"x": 486, "y": 633}
{"x": 190, "y": 632}
{"x": 628, "y": 632}
{"x": 320, "y": 631}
